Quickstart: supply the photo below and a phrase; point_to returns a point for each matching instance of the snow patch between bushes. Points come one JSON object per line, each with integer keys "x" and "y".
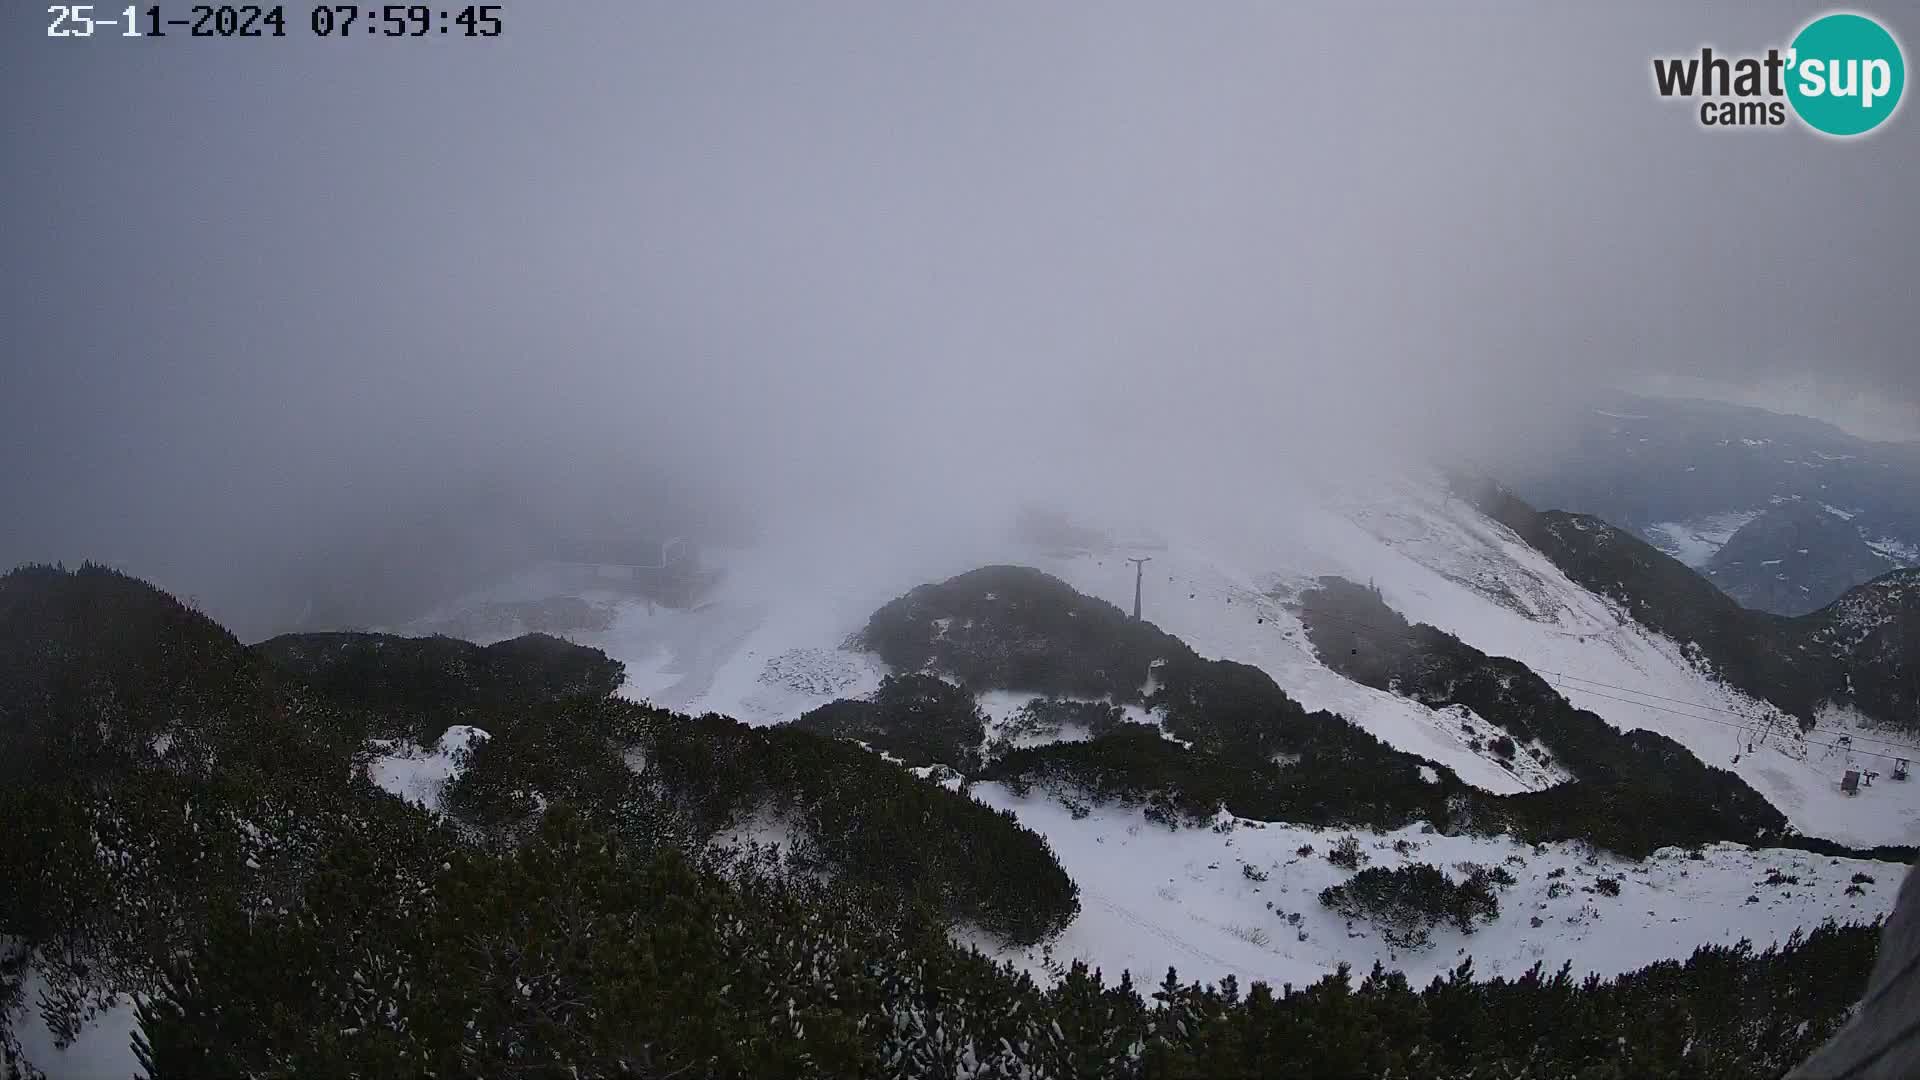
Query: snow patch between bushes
{"x": 417, "y": 775}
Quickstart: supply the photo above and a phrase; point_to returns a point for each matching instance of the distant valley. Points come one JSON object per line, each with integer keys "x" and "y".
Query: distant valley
{"x": 1783, "y": 513}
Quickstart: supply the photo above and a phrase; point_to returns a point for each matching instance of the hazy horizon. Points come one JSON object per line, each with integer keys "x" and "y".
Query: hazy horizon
{"x": 278, "y": 307}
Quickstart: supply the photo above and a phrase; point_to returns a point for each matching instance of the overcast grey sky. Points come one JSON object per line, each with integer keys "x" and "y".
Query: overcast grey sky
{"x": 262, "y": 292}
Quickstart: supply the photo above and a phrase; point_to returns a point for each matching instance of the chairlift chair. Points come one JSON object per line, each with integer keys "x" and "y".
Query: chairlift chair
{"x": 1900, "y": 768}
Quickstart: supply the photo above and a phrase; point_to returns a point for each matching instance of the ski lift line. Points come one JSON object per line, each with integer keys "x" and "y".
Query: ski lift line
{"x": 1646, "y": 693}
{"x": 1728, "y": 723}
{"x": 1673, "y": 712}
{"x": 1768, "y": 725}
{"x": 1729, "y": 712}
{"x": 1407, "y": 636}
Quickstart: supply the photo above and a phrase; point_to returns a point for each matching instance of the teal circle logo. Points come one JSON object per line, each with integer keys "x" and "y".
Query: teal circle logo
{"x": 1845, "y": 74}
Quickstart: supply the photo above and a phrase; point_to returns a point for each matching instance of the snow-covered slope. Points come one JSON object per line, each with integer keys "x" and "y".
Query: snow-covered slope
{"x": 768, "y": 645}
{"x": 771, "y": 643}
{"x": 1439, "y": 561}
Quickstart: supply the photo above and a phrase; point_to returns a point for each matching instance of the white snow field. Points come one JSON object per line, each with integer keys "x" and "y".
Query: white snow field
{"x": 1153, "y": 899}
{"x": 102, "y": 1049}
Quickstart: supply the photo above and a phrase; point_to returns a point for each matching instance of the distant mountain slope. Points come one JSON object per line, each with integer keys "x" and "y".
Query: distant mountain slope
{"x": 1794, "y": 558}
{"x": 1860, "y": 653}
{"x": 1687, "y": 475}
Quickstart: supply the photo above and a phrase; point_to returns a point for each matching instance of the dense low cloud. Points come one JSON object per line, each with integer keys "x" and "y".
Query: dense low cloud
{"x": 268, "y": 301}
